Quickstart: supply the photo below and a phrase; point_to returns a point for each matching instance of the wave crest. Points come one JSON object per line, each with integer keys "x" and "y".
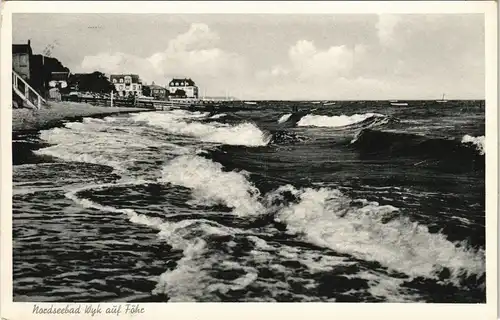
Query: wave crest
{"x": 477, "y": 141}
{"x": 245, "y": 134}
{"x": 369, "y": 231}
{"x": 312, "y": 120}
{"x": 211, "y": 185}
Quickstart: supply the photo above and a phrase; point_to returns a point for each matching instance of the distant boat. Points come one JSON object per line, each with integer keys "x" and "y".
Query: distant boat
{"x": 442, "y": 100}
{"x": 250, "y": 102}
{"x": 400, "y": 104}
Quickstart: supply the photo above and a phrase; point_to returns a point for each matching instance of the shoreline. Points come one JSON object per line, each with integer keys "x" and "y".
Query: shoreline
{"x": 27, "y": 120}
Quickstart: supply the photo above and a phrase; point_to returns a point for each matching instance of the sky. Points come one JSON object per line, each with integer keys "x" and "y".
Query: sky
{"x": 266, "y": 56}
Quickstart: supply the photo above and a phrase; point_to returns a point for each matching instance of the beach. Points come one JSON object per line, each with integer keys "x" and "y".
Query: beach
{"x": 55, "y": 112}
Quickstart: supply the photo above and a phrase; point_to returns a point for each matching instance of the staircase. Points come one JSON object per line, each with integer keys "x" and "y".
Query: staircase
{"x": 24, "y": 91}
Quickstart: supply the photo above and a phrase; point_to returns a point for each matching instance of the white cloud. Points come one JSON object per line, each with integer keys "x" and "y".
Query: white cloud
{"x": 309, "y": 64}
{"x": 199, "y": 36}
{"x": 193, "y": 54}
{"x": 386, "y": 26}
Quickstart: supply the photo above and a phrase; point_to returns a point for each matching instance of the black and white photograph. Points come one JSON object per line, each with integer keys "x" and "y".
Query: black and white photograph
{"x": 249, "y": 157}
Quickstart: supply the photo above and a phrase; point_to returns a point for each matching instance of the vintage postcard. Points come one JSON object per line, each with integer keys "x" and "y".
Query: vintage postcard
{"x": 248, "y": 155}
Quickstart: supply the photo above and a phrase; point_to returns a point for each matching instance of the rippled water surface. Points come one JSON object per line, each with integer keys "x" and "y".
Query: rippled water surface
{"x": 357, "y": 201}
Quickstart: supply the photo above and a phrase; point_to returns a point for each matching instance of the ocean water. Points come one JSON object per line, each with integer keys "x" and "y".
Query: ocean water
{"x": 346, "y": 202}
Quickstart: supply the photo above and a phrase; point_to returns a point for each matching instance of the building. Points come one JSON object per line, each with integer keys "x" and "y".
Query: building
{"x": 126, "y": 84}
{"x": 183, "y": 88}
{"x": 21, "y": 58}
{"x": 158, "y": 92}
{"x": 59, "y": 79}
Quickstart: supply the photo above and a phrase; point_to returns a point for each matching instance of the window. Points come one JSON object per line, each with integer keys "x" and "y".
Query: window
{"x": 121, "y": 80}
{"x": 134, "y": 87}
{"x": 23, "y": 60}
{"x": 114, "y": 80}
{"x": 128, "y": 80}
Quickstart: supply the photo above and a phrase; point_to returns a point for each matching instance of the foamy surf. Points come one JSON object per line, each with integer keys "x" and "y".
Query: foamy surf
{"x": 92, "y": 141}
{"x": 372, "y": 232}
{"x": 284, "y": 118}
{"x": 312, "y": 120}
{"x": 211, "y": 185}
{"x": 365, "y": 230}
{"x": 245, "y": 134}
{"x": 477, "y": 141}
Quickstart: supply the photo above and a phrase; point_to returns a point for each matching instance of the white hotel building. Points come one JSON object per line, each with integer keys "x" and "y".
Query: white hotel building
{"x": 187, "y": 85}
{"x": 127, "y": 84}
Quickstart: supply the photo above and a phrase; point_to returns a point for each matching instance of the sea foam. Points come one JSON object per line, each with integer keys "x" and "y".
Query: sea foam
{"x": 477, "y": 141}
{"x": 326, "y": 217}
{"x": 284, "y": 118}
{"x": 245, "y": 134}
{"x": 373, "y": 232}
{"x": 312, "y": 120}
{"x": 211, "y": 185}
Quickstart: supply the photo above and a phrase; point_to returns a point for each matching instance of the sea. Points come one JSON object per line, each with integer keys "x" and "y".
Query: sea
{"x": 276, "y": 201}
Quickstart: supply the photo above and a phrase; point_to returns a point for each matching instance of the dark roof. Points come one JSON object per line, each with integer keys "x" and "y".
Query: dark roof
{"x": 156, "y": 87}
{"x": 59, "y": 76}
{"x": 21, "y": 48}
{"x": 135, "y": 77}
{"x": 182, "y": 82}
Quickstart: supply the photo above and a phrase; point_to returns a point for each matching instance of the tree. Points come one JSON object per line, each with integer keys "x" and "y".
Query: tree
{"x": 41, "y": 68}
{"x": 179, "y": 93}
{"x": 91, "y": 82}
{"x": 146, "y": 91}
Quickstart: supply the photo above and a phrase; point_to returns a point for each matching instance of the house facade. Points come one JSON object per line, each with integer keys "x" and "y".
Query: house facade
{"x": 183, "y": 88}
{"x": 21, "y": 58}
{"x": 158, "y": 92}
{"x": 126, "y": 84}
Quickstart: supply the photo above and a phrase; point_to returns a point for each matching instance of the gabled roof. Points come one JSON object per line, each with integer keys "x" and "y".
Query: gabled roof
{"x": 135, "y": 77}
{"x": 156, "y": 87}
{"x": 21, "y": 48}
{"x": 177, "y": 82}
{"x": 59, "y": 76}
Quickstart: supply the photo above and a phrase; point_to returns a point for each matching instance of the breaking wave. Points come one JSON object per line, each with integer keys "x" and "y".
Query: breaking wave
{"x": 211, "y": 185}
{"x": 477, "y": 141}
{"x": 312, "y": 120}
{"x": 91, "y": 141}
{"x": 246, "y": 134}
{"x": 327, "y": 218}
{"x": 284, "y": 118}
{"x": 369, "y": 231}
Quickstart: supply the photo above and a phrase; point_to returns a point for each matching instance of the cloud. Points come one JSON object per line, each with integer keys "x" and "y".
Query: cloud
{"x": 386, "y": 26}
{"x": 306, "y": 63}
{"x": 117, "y": 62}
{"x": 199, "y": 36}
{"x": 193, "y": 54}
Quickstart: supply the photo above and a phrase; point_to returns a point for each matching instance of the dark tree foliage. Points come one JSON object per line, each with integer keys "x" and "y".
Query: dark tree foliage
{"x": 91, "y": 82}
{"x": 41, "y": 68}
{"x": 146, "y": 91}
{"x": 179, "y": 93}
